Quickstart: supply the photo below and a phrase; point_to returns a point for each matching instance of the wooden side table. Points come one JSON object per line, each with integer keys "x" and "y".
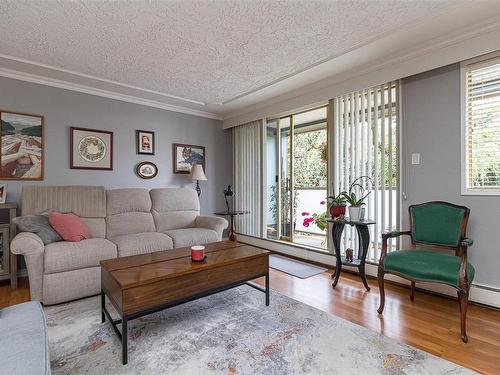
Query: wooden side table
{"x": 364, "y": 242}
{"x": 8, "y": 232}
{"x": 232, "y": 214}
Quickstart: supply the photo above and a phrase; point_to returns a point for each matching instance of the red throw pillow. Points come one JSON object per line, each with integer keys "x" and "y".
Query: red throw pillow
{"x": 69, "y": 226}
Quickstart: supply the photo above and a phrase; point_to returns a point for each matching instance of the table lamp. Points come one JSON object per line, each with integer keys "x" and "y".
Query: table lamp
{"x": 198, "y": 175}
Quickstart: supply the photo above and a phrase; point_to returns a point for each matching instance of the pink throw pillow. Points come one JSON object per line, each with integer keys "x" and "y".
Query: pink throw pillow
{"x": 69, "y": 226}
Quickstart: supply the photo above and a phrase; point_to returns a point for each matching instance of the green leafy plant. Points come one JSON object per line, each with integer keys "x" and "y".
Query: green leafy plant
{"x": 336, "y": 200}
{"x": 356, "y": 195}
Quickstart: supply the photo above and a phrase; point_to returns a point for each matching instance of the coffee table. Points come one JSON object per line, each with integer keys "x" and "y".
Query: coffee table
{"x": 143, "y": 284}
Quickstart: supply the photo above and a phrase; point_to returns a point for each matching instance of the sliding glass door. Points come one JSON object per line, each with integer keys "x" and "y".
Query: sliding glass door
{"x": 296, "y": 147}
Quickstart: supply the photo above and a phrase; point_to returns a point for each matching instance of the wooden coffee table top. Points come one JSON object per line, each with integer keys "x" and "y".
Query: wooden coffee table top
{"x": 137, "y": 270}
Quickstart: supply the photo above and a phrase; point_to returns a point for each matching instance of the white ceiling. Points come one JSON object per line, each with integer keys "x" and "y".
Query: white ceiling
{"x": 203, "y": 55}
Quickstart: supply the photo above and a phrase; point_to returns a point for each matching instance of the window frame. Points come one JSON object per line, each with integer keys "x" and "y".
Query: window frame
{"x": 465, "y": 67}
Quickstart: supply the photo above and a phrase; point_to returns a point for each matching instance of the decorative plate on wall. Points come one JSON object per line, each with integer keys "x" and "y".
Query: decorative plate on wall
{"x": 146, "y": 170}
{"x": 91, "y": 149}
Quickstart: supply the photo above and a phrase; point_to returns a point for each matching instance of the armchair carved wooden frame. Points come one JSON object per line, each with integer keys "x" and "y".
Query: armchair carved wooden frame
{"x": 439, "y": 225}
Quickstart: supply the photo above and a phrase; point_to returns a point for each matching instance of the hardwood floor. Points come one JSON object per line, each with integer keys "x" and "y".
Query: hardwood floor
{"x": 430, "y": 323}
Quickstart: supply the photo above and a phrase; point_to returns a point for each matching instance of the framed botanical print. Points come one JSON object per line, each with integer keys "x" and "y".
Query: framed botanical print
{"x": 145, "y": 142}
{"x": 91, "y": 149}
{"x": 22, "y": 155}
{"x": 186, "y": 155}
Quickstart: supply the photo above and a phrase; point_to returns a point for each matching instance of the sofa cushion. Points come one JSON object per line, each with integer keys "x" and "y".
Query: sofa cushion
{"x": 192, "y": 236}
{"x": 84, "y": 201}
{"x": 142, "y": 243}
{"x": 25, "y": 349}
{"x": 97, "y": 226}
{"x": 119, "y": 201}
{"x": 67, "y": 256}
{"x": 38, "y": 224}
{"x": 174, "y": 208}
{"x": 69, "y": 226}
{"x": 129, "y": 211}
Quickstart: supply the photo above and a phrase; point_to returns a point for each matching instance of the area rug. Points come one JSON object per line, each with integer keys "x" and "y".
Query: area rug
{"x": 294, "y": 267}
{"x": 230, "y": 333}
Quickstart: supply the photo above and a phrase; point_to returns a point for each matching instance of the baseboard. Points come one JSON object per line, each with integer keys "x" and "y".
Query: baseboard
{"x": 480, "y": 293}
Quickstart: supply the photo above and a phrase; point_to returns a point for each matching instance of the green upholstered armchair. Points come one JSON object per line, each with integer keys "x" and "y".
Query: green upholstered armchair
{"x": 439, "y": 225}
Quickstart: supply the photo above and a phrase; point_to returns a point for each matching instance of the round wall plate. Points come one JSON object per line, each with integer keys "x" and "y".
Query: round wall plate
{"x": 146, "y": 170}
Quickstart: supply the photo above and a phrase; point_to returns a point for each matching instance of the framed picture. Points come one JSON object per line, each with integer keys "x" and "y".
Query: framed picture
{"x": 187, "y": 155}
{"x": 145, "y": 142}
{"x": 3, "y": 193}
{"x": 146, "y": 170}
{"x": 91, "y": 149}
{"x": 22, "y": 155}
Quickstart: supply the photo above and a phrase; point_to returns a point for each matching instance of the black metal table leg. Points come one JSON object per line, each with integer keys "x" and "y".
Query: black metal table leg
{"x": 267, "y": 289}
{"x": 124, "y": 341}
{"x": 364, "y": 242}
{"x": 337, "y": 230}
{"x": 103, "y": 302}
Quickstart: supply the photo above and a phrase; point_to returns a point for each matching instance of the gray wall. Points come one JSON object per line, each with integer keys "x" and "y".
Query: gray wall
{"x": 431, "y": 109}
{"x": 63, "y": 108}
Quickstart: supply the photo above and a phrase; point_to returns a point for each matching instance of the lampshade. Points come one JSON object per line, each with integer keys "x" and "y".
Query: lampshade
{"x": 197, "y": 173}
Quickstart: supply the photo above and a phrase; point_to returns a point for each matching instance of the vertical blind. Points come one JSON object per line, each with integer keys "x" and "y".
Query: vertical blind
{"x": 247, "y": 156}
{"x": 482, "y": 126}
{"x": 366, "y": 143}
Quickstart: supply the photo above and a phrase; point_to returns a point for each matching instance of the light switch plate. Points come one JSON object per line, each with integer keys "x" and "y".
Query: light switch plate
{"x": 415, "y": 159}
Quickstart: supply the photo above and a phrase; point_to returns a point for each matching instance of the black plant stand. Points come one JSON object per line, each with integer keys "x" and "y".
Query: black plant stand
{"x": 364, "y": 242}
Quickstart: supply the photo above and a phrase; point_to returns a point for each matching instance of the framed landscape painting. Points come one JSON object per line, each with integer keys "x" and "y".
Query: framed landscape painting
{"x": 22, "y": 155}
{"x": 187, "y": 155}
{"x": 91, "y": 149}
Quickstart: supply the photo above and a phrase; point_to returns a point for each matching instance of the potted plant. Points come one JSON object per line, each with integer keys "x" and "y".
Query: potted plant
{"x": 356, "y": 201}
{"x": 336, "y": 205}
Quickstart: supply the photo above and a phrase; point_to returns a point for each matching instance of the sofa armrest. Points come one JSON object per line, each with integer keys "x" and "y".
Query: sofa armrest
{"x": 32, "y": 247}
{"x": 215, "y": 223}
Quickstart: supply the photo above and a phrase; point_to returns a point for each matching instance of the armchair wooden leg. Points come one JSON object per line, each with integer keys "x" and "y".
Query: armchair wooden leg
{"x": 463, "y": 299}
{"x": 381, "y": 290}
{"x": 412, "y": 293}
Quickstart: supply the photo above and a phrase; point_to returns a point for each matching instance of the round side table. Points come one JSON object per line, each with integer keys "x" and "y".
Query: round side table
{"x": 231, "y": 214}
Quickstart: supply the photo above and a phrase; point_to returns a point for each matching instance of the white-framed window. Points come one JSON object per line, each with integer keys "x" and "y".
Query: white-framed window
{"x": 480, "y": 93}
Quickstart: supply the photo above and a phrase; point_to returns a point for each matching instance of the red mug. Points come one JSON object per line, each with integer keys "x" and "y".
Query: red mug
{"x": 198, "y": 253}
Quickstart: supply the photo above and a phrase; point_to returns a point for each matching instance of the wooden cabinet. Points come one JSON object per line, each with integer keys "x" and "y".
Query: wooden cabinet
{"x": 8, "y": 261}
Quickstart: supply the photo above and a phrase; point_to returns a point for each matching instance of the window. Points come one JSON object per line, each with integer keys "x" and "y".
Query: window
{"x": 481, "y": 127}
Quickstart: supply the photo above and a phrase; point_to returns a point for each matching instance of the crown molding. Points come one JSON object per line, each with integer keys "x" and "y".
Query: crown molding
{"x": 62, "y": 84}
{"x": 471, "y": 41}
{"x": 95, "y": 78}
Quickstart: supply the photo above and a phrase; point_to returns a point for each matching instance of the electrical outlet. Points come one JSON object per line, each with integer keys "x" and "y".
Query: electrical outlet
{"x": 415, "y": 159}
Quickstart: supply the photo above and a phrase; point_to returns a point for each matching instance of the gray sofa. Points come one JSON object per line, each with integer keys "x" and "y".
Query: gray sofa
{"x": 121, "y": 222}
{"x": 25, "y": 348}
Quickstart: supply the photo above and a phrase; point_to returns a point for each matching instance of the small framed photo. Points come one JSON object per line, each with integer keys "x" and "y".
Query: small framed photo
{"x": 145, "y": 142}
{"x": 91, "y": 149}
{"x": 146, "y": 170}
{"x": 22, "y": 146}
{"x": 186, "y": 155}
{"x": 3, "y": 193}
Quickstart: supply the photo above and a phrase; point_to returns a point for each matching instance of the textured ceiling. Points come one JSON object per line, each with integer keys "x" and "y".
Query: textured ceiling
{"x": 207, "y": 51}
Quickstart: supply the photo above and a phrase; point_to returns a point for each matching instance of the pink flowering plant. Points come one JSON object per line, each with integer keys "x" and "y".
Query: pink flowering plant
{"x": 318, "y": 219}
